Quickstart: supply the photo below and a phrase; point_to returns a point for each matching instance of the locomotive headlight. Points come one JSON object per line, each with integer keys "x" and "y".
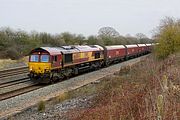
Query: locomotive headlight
{"x": 30, "y": 69}
{"x": 46, "y": 68}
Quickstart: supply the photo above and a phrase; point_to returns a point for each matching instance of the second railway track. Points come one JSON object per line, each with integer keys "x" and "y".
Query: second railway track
{"x": 13, "y": 82}
{"x": 20, "y": 91}
{"x": 12, "y": 72}
{"x": 17, "y": 87}
{"x": 14, "y": 86}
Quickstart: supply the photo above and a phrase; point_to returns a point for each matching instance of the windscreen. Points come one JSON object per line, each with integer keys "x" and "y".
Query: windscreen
{"x": 44, "y": 58}
{"x": 34, "y": 58}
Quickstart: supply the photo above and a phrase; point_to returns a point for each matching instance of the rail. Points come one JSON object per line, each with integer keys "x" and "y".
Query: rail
{"x": 13, "y": 71}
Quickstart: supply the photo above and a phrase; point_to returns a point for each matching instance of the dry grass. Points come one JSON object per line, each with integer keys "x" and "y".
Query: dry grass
{"x": 147, "y": 91}
{"x": 41, "y": 106}
{"x": 4, "y": 63}
{"x": 62, "y": 97}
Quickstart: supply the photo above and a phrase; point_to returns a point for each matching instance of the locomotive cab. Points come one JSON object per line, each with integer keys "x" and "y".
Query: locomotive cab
{"x": 39, "y": 65}
{"x": 42, "y": 61}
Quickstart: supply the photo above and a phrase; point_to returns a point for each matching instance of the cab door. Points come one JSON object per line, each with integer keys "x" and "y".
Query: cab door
{"x": 56, "y": 61}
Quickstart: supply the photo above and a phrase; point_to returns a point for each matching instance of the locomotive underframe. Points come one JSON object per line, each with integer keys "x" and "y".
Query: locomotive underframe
{"x": 61, "y": 73}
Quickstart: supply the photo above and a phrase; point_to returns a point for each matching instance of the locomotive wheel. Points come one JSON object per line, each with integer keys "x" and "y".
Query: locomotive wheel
{"x": 76, "y": 71}
{"x": 55, "y": 79}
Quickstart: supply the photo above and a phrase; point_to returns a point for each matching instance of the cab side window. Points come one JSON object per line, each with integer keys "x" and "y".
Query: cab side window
{"x": 54, "y": 58}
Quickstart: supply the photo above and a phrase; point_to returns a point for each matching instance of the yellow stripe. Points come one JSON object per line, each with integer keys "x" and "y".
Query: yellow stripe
{"x": 82, "y": 62}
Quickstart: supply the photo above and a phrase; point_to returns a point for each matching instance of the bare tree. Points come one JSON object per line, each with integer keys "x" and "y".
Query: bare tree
{"x": 108, "y": 32}
{"x": 141, "y": 36}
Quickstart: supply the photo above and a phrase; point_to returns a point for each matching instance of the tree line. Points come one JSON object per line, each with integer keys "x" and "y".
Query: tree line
{"x": 15, "y": 44}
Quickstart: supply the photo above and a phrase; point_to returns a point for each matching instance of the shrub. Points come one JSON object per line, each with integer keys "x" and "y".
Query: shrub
{"x": 63, "y": 96}
{"x": 13, "y": 54}
{"x": 41, "y": 106}
{"x": 168, "y": 37}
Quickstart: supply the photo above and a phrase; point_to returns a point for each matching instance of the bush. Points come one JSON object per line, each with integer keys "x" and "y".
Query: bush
{"x": 63, "y": 96}
{"x": 13, "y": 54}
{"x": 41, "y": 106}
{"x": 168, "y": 37}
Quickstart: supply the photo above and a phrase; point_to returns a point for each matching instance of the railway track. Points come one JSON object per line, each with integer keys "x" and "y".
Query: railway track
{"x": 20, "y": 91}
{"x": 12, "y": 72}
{"x": 13, "y": 82}
{"x": 11, "y": 86}
{"x": 17, "y": 87}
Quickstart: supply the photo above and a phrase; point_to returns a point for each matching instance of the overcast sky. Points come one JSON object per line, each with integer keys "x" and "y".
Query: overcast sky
{"x": 86, "y": 16}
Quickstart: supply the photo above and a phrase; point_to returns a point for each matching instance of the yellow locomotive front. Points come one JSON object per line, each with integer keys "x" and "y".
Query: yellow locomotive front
{"x": 45, "y": 64}
{"x": 39, "y": 66}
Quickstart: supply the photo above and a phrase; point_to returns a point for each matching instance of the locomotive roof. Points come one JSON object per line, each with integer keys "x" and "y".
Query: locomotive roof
{"x": 98, "y": 46}
{"x": 82, "y": 48}
{"x": 114, "y": 47}
{"x": 89, "y": 48}
{"x": 50, "y": 50}
{"x": 67, "y": 49}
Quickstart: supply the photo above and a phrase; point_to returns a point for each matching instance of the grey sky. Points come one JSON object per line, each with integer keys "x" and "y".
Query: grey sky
{"x": 86, "y": 16}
